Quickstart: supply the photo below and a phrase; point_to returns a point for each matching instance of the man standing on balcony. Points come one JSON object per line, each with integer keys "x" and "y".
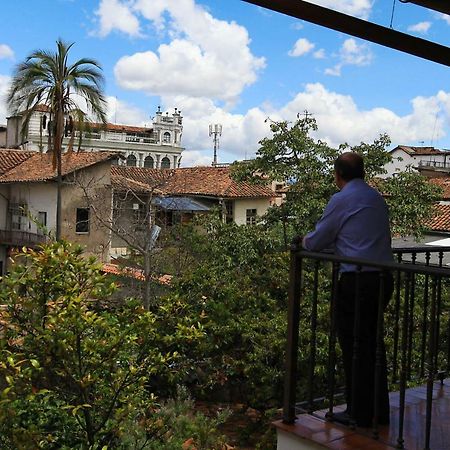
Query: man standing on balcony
{"x": 355, "y": 224}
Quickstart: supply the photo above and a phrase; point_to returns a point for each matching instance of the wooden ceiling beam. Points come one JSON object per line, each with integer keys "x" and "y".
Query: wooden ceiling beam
{"x": 363, "y": 29}
{"x": 437, "y": 5}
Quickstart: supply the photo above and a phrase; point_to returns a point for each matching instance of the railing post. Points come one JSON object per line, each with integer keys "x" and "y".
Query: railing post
{"x": 332, "y": 340}
{"x": 356, "y": 345}
{"x": 431, "y": 369}
{"x": 313, "y": 342}
{"x": 396, "y": 320}
{"x": 403, "y": 369}
{"x": 380, "y": 354}
{"x": 290, "y": 380}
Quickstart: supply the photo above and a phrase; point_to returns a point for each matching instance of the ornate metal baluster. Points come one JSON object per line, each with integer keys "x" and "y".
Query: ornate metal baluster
{"x": 424, "y": 319}
{"x": 356, "y": 343}
{"x": 438, "y": 312}
{"x": 313, "y": 343}
{"x": 295, "y": 287}
{"x": 332, "y": 340}
{"x": 431, "y": 369}
{"x": 379, "y": 359}
{"x": 411, "y": 317}
{"x": 403, "y": 370}
{"x": 396, "y": 320}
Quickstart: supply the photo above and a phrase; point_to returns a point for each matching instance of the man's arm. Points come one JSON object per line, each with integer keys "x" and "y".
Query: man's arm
{"x": 326, "y": 228}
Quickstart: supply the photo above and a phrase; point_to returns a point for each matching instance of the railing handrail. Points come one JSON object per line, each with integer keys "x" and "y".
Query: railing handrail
{"x": 405, "y": 267}
{"x": 427, "y": 249}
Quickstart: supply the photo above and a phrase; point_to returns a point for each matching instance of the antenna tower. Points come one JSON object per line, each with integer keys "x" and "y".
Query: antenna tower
{"x": 215, "y": 131}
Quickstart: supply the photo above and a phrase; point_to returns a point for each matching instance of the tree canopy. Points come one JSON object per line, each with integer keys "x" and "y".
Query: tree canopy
{"x": 305, "y": 165}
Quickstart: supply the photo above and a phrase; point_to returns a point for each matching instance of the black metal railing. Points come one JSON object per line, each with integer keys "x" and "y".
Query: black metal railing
{"x": 415, "y": 327}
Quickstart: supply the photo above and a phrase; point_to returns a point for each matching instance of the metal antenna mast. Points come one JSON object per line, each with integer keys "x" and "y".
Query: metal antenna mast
{"x": 215, "y": 131}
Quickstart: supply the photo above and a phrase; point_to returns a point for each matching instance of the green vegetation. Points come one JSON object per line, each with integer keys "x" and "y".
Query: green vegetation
{"x": 80, "y": 371}
{"x": 47, "y": 78}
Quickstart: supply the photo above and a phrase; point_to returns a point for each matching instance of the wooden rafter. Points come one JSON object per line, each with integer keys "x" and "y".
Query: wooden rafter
{"x": 363, "y": 29}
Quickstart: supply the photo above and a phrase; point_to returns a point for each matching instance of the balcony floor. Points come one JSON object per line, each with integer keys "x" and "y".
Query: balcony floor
{"x": 314, "y": 428}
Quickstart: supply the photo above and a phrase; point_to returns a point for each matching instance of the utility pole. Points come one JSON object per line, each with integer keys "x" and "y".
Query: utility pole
{"x": 215, "y": 131}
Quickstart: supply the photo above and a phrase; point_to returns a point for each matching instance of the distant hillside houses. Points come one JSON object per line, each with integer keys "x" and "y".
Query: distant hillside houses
{"x": 156, "y": 146}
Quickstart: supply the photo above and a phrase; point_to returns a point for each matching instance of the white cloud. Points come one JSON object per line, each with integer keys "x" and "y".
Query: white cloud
{"x": 297, "y": 26}
{"x": 116, "y": 15}
{"x": 192, "y": 158}
{"x": 338, "y": 116}
{"x": 301, "y": 47}
{"x": 351, "y": 54}
{"x": 206, "y": 57}
{"x": 421, "y": 27}
{"x": 123, "y": 113}
{"x": 358, "y": 8}
{"x": 445, "y": 17}
{"x": 6, "y": 52}
{"x": 319, "y": 54}
{"x": 4, "y": 86}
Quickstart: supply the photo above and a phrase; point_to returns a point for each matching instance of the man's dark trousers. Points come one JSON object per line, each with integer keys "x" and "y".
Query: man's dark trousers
{"x": 369, "y": 291}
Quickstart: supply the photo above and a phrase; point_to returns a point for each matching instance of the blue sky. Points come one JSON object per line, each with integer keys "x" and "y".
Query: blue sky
{"x": 229, "y": 62}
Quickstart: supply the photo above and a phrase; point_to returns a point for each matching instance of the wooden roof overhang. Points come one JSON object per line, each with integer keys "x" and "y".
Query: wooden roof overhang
{"x": 366, "y": 30}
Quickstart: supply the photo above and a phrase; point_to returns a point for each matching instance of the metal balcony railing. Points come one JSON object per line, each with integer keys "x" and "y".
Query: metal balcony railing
{"x": 16, "y": 238}
{"x": 435, "y": 164}
{"x": 415, "y": 326}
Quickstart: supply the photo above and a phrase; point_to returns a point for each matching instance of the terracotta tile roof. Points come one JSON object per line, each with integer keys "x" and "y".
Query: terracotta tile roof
{"x": 42, "y": 108}
{"x": 441, "y": 219}
{"x": 11, "y": 158}
{"x": 444, "y": 184}
{"x": 132, "y": 272}
{"x": 123, "y": 184}
{"x": 418, "y": 150}
{"x": 142, "y": 179}
{"x": 39, "y": 166}
{"x": 215, "y": 181}
{"x": 207, "y": 181}
{"x": 120, "y": 128}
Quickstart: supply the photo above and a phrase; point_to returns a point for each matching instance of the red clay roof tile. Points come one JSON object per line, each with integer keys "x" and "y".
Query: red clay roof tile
{"x": 11, "y": 158}
{"x": 441, "y": 219}
{"x": 39, "y": 166}
{"x": 207, "y": 181}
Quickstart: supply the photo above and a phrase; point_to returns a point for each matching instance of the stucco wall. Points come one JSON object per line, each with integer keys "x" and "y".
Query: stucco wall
{"x": 3, "y": 206}
{"x": 241, "y": 206}
{"x": 97, "y": 181}
{"x": 38, "y": 197}
{"x": 397, "y": 166}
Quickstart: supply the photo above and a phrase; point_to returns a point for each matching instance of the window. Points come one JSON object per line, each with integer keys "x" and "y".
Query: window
{"x": 82, "y": 220}
{"x": 166, "y": 137}
{"x": 165, "y": 163}
{"x": 229, "y": 211}
{"x": 250, "y": 216}
{"x": 19, "y": 218}
{"x": 131, "y": 161}
{"x": 149, "y": 162}
{"x": 42, "y": 221}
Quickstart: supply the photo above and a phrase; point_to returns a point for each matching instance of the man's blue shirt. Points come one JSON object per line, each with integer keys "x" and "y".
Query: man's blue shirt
{"x": 355, "y": 224}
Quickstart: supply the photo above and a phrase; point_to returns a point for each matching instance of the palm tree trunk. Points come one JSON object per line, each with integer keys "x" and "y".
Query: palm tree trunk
{"x": 57, "y": 149}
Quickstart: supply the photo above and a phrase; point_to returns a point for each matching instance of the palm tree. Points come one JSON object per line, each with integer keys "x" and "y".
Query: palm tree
{"x": 46, "y": 77}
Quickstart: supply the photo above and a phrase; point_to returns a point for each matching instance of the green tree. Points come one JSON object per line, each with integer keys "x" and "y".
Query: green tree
{"x": 291, "y": 155}
{"x": 75, "y": 370}
{"x": 46, "y": 77}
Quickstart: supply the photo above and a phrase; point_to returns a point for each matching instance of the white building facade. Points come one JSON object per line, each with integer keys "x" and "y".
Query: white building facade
{"x": 158, "y": 146}
{"x": 417, "y": 158}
